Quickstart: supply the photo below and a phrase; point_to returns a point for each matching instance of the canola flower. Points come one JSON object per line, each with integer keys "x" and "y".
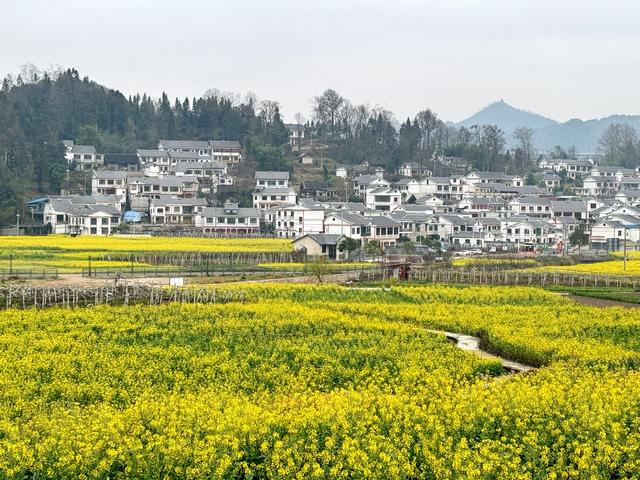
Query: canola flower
{"x": 495, "y": 262}
{"x": 611, "y": 267}
{"x": 301, "y": 381}
{"x": 128, "y": 244}
{"x": 71, "y": 254}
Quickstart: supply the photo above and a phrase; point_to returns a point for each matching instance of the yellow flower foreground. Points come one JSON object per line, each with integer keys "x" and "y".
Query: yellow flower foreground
{"x": 321, "y": 382}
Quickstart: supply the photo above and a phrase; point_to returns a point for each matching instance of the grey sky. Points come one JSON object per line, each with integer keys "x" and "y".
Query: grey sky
{"x": 561, "y": 58}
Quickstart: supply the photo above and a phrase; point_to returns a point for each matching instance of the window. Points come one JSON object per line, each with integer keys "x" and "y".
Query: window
{"x": 93, "y": 221}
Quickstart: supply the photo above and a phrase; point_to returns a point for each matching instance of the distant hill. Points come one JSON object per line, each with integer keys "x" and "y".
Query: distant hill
{"x": 583, "y": 134}
{"x": 506, "y": 117}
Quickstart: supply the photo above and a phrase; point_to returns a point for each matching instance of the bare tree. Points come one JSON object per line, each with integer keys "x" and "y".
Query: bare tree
{"x": 619, "y": 144}
{"x": 524, "y": 137}
{"x": 493, "y": 142}
{"x": 428, "y": 122}
{"x": 268, "y": 110}
{"x": 326, "y": 108}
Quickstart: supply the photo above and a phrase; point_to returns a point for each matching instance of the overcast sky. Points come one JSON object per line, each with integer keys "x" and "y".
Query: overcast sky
{"x": 561, "y": 58}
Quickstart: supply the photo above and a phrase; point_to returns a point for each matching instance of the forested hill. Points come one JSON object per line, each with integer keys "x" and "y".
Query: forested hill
{"x": 38, "y": 112}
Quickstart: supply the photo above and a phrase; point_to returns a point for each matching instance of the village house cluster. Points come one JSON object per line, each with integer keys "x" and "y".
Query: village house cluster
{"x": 167, "y": 188}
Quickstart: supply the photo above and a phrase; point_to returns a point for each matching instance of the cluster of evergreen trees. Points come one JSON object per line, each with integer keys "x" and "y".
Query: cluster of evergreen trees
{"x": 39, "y": 109}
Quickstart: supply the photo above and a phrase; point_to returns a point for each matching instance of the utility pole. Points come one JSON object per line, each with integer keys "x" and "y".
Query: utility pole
{"x": 17, "y": 224}
{"x": 624, "y": 264}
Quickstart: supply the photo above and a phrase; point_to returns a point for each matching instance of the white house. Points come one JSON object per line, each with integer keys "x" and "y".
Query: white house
{"x": 383, "y": 198}
{"x": 291, "y": 221}
{"x": 320, "y": 245}
{"x": 80, "y": 215}
{"x": 109, "y": 182}
{"x": 296, "y": 133}
{"x": 573, "y": 168}
{"x": 185, "y": 186}
{"x": 269, "y": 197}
{"x": 362, "y": 183}
{"x": 175, "y": 211}
{"x": 83, "y": 156}
{"x": 229, "y": 220}
{"x": 271, "y": 179}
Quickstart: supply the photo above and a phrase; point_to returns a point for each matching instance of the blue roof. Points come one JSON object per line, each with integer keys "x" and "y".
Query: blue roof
{"x": 132, "y": 216}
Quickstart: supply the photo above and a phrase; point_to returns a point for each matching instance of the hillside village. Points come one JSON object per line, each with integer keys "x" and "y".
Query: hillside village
{"x": 172, "y": 190}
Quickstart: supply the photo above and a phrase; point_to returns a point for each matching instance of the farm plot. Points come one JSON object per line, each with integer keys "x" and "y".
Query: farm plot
{"x": 321, "y": 382}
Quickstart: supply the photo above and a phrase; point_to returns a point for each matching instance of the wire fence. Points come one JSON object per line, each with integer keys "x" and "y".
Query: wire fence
{"x": 208, "y": 270}
{"x": 506, "y": 277}
{"x": 7, "y": 274}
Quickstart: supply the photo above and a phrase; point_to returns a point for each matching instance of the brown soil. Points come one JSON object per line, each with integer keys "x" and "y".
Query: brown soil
{"x": 601, "y": 302}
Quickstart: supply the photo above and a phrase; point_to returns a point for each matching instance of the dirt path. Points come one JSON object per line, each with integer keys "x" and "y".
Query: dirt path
{"x": 470, "y": 343}
{"x": 601, "y": 302}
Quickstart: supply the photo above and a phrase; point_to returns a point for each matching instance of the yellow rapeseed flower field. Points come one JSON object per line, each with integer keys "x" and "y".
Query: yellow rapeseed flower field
{"x": 129, "y": 244}
{"x": 71, "y": 254}
{"x": 300, "y": 381}
{"x": 610, "y": 267}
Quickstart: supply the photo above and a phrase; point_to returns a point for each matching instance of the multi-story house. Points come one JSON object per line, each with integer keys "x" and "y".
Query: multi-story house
{"x": 84, "y": 157}
{"x": 362, "y": 183}
{"x": 550, "y": 182}
{"x": 229, "y": 220}
{"x": 296, "y": 133}
{"x": 227, "y": 151}
{"x": 81, "y": 215}
{"x": 531, "y": 206}
{"x": 272, "y": 190}
{"x": 175, "y": 211}
{"x": 412, "y": 169}
{"x": 383, "y": 199}
{"x": 570, "y": 208}
{"x": 271, "y": 179}
{"x": 109, "y": 182}
{"x": 185, "y": 186}
{"x": 347, "y": 223}
{"x": 574, "y": 168}
{"x": 291, "y": 221}
{"x": 494, "y": 177}
{"x": 525, "y": 230}
{"x": 200, "y": 147}
{"x": 269, "y": 197}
